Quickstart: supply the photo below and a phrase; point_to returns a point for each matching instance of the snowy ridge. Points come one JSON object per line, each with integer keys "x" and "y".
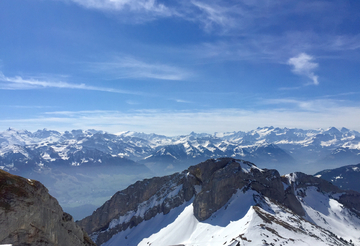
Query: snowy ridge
{"x": 246, "y": 205}
{"x": 242, "y": 221}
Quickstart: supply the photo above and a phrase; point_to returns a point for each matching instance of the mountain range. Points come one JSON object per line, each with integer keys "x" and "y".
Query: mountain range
{"x": 281, "y": 147}
{"x": 84, "y": 168}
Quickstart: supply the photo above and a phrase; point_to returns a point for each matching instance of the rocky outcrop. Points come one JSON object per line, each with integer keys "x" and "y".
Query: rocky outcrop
{"x": 221, "y": 178}
{"x": 29, "y": 215}
{"x": 140, "y": 201}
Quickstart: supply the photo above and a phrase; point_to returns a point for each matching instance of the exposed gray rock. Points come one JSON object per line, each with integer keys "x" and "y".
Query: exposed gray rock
{"x": 225, "y": 176}
{"x": 29, "y": 215}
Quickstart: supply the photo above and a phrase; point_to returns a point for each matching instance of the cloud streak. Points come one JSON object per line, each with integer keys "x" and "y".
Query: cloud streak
{"x": 119, "y": 5}
{"x": 19, "y": 83}
{"x": 303, "y": 65}
{"x": 316, "y": 106}
{"x": 132, "y": 11}
{"x": 213, "y": 14}
{"x": 129, "y": 67}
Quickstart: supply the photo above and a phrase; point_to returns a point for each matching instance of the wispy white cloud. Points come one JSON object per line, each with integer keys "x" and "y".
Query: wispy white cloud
{"x": 214, "y": 14}
{"x": 315, "y": 105}
{"x": 139, "y": 5}
{"x": 132, "y": 102}
{"x": 344, "y": 42}
{"x": 144, "y": 9}
{"x": 182, "y": 101}
{"x": 129, "y": 67}
{"x": 19, "y": 83}
{"x": 303, "y": 65}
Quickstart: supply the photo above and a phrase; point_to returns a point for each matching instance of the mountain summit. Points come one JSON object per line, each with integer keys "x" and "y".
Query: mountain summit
{"x": 228, "y": 201}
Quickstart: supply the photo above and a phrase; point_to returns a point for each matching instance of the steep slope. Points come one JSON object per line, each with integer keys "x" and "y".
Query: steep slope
{"x": 227, "y": 202}
{"x": 346, "y": 177}
{"x": 30, "y": 216}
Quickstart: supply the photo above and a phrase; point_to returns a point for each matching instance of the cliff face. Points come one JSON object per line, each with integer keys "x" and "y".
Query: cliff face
{"x": 140, "y": 201}
{"x": 29, "y": 215}
{"x": 221, "y": 178}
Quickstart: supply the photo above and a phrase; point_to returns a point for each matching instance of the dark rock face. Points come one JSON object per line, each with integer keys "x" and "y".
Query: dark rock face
{"x": 30, "y": 216}
{"x": 222, "y": 178}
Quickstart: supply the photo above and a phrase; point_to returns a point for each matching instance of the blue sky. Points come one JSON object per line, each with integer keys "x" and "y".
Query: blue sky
{"x": 172, "y": 67}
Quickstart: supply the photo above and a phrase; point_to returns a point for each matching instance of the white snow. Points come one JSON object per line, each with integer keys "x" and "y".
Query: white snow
{"x": 246, "y": 167}
{"x": 46, "y": 156}
{"x": 351, "y": 145}
{"x": 331, "y": 215}
{"x": 328, "y": 143}
{"x": 356, "y": 169}
{"x": 291, "y": 177}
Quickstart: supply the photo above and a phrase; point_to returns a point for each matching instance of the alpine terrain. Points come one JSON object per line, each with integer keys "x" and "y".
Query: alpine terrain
{"x": 346, "y": 177}
{"x": 83, "y": 169}
{"x": 228, "y": 201}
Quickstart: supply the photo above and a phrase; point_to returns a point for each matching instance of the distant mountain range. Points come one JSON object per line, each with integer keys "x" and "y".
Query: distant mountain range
{"x": 82, "y": 167}
{"x": 283, "y": 148}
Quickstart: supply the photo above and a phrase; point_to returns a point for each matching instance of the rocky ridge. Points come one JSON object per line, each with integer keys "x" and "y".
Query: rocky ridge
{"x": 209, "y": 186}
{"x": 30, "y": 216}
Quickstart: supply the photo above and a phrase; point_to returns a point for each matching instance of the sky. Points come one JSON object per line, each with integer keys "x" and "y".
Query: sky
{"x": 173, "y": 67}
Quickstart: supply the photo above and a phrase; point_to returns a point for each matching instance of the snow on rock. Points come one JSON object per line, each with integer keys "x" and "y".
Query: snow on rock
{"x": 331, "y": 215}
{"x": 239, "y": 222}
{"x": 232, "y": 203}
